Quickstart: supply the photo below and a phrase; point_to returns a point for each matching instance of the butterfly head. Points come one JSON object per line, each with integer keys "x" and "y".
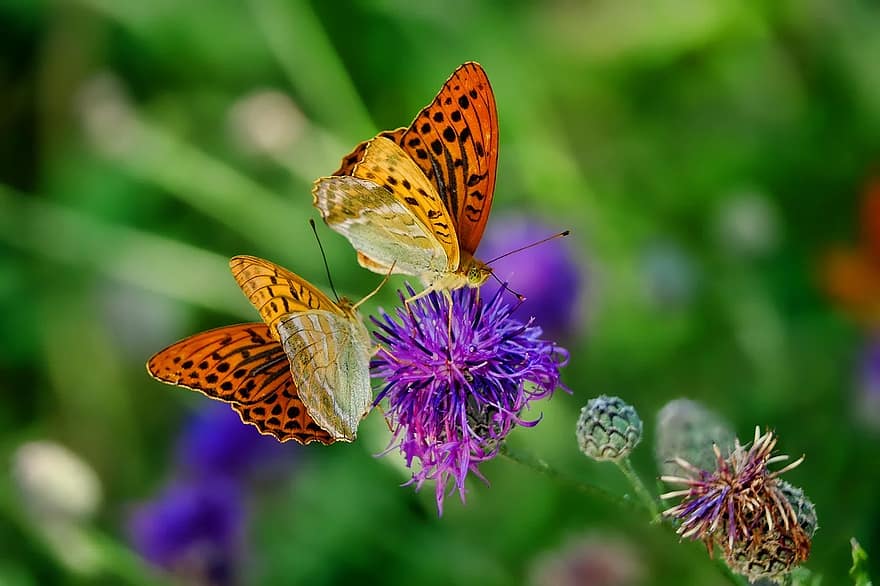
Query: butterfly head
{"x": 347, "y": 306}
{"x": 477, "y": 273}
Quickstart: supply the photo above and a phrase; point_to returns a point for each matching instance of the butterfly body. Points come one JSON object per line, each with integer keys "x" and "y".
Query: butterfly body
{"x": 417, "y": 199}
{"x": 303, "y": 374}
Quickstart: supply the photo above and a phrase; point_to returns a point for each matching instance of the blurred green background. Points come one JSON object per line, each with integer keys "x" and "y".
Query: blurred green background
{"x": 705, "y": 155}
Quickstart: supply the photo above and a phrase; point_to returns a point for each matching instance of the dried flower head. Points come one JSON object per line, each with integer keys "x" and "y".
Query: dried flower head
{"x": 457, "y": 380}
{"x": 743, "y": 507}
{"x": 776, "y": 549}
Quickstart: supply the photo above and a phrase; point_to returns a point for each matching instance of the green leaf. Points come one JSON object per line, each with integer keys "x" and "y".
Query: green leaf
{"x": 859, "y": 570}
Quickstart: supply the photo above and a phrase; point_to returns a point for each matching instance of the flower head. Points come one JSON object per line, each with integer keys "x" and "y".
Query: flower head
{"x": 687, "y": 430}
{"x": 192, "y": 530}
{"x": 457, "y": 380}
{"x": 589, "y": 560}
{"x": 868, "y": 387}
{"x": 547, "y": 275}
{"x": 55, "y": 483}
{"x": 744, "y": 507}
{"x": 215, "y": 443}
{"x": 608, "y": 429}
{"x": 775, "y": 548}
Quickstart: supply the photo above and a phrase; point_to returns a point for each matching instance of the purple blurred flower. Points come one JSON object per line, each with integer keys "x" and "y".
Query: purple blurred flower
{"x": 453, "y": 399}
{"x": 215, "y": 443}
{"x": 868, "y": 398}
{"x": 589, "y": 560}
{"x": 193, "y": 531}
{"x": 547, "y": 275}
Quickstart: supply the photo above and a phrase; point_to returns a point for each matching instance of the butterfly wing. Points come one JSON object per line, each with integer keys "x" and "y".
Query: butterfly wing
{"x": 274, "y": 291}
{"x": 244, "y": 366}
{"x": 390, "y": 213}
{"x": 328, "y": 348}
{"x": 354, "y": 157}
{"x": 330, "y": 351}
{"x": 455, "y": 142}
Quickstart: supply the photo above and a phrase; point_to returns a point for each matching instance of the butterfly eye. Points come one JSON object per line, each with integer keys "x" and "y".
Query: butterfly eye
{"x": 478, "y": 274}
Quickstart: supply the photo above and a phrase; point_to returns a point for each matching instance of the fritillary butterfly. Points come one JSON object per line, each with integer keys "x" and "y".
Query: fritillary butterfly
{"x": 303, "y": 374}
{"x": 417, "y": 199}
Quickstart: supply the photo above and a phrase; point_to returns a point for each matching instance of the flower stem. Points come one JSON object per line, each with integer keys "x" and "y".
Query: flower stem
{"x": 530, "y": 461}
{"x": 639, "y": 487}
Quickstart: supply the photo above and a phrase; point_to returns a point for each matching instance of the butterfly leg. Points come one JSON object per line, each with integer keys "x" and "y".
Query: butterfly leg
{"x": 448, "y": 295}
{"x": 424, "y": 292}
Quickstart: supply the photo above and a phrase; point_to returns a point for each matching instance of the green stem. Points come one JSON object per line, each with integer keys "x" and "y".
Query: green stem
{"x": 639, "y": 487}
{"x": 544, "y": 468}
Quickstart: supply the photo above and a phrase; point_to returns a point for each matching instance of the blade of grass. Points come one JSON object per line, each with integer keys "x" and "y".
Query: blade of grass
{"x": 145, "y": 260}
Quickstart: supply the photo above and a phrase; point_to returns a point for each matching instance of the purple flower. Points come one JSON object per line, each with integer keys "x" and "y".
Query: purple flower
{"x": 547, "y": 275}
{"x": 868, "y": 397}
{"x": 733, "y": 504}
{"x": 193, "y": 531}
{"x": 215, "y": 443}
{"x": 457, "y": 381}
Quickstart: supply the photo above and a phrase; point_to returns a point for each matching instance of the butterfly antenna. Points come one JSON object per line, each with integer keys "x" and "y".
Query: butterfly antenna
{"x": 527, "y": 246}
{"x": 519, "y": 296}
{"x": 324, "y": 257}
{"x": 377, "y": 289}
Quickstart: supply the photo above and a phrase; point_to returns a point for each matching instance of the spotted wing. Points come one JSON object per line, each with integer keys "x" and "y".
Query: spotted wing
{"x": 381, "y": 227}
{"x": 386, "y": 164}
{"x": 329, "y": 356}
{"x": 275, "y": 291}
{"x": 455, "y": 142}
{"x": 242, "y": 365}
{"x": 354, "y": 157}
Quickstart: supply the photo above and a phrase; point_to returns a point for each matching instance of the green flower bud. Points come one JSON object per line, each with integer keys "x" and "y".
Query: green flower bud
{"x": 608, "y": 428}
{"x": 687, "y": 430}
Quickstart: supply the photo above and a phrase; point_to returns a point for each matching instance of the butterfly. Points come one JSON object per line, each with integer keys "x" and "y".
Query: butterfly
{"x": 416, "y": 200}
{"x": 302, "y": 374}
{"x": 850, "y": 274}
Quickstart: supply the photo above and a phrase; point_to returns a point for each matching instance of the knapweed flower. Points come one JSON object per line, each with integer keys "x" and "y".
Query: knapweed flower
{"x": 589, "y": 560}
{"x": 867, "y": 404}
{"x": 743, "y": 507}
{"x": 458, "y": 379}
{"x": 216, "y": 444}
{"x": 548, "y": 275}
{"x": 194, "y": 531}
{"x": 687, "y": 430}
{"x": 776, "y": 549}
{"x": 608, "y": 428}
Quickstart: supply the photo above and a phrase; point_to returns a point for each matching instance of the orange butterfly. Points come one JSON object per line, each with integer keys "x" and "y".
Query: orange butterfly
{"x": 416, "y": 200}
{"x": 301, "y": 375}
{"x": 851, "y": 275}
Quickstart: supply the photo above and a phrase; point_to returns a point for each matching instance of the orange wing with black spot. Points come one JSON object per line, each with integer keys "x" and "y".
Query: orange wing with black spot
{"x": 354, "y": 157}
{"x": 242, "y": 365}
{"x": 454, "y": 140}
{"x": 275, "y": 291}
